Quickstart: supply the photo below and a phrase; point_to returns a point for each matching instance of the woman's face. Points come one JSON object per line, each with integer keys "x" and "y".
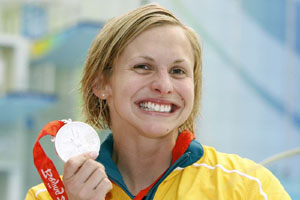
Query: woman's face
{"x": 151, "y": 90}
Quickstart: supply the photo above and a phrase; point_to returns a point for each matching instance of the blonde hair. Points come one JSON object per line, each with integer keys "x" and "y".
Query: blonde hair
{"x": 114, "y": 36}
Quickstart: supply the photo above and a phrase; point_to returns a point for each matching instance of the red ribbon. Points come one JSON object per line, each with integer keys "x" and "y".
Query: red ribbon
{"x": 45, "y": 166}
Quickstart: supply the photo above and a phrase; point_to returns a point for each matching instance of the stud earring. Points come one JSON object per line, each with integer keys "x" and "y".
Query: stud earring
{"x": 103, "y": 95}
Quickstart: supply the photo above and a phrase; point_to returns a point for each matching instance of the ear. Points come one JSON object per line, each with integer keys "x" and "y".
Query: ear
{"x": 100, "y": 89}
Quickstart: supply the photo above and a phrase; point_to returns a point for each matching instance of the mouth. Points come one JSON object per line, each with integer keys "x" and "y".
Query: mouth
{"x": 157, "y": 107}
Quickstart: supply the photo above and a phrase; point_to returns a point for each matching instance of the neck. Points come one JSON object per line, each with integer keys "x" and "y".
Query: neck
{"x": 142, "y": 160}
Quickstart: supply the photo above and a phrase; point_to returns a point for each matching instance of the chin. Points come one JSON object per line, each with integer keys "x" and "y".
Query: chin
{"x": 158, "y": 131}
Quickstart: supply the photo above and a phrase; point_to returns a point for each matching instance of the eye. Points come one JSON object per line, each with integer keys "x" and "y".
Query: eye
{"x": 178, "y": 71}
{"x": 142, "y": 68}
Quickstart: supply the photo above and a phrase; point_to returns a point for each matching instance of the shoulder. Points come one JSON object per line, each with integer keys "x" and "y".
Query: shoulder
{"x": 233, "y": 165}
{"x": 212, "y": 157}
{"x": 220, "y": 175}
{"x": 224, "y": 164}
{"x": 38, "y": 192}
{"x": 241, "y": 171}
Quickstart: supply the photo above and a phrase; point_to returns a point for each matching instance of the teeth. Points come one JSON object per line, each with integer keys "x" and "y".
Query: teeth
{"x": 162, "y": 108}
{"x": 152, "y": 106}
{"x": 156, "y": 108}
{"x": 149, "y": 106}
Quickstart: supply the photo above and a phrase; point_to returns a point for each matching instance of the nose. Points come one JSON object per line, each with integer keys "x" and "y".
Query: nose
{"x": 162, "y": 83}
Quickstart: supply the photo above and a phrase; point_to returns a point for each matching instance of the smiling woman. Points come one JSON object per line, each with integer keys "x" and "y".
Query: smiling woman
{"x": 144, "y": 74}
{"x": 142, "y": 79}
{"x": 118, "y": 34}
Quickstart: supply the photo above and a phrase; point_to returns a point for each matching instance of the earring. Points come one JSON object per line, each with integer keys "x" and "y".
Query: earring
{"x": 103, "y": 95}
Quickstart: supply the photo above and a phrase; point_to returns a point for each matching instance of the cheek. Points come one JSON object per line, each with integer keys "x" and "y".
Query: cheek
{"x": 124, "y": 88}
{"x": 187, "y": 92}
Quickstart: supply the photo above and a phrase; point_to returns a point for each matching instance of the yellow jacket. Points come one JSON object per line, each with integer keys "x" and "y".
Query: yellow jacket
{"x": 199, "y": 173}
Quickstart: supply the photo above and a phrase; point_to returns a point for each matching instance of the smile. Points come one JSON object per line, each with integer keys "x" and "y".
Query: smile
{"x": 154, "y": 107}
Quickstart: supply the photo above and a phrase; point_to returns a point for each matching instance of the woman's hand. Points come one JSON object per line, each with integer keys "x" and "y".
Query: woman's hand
{"x": 85, "y": 178}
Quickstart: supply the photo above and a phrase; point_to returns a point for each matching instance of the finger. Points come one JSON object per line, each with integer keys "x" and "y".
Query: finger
{"x": 93, "y": 154}
{"x": 103, "y": 188}
{"x": 74, "y": 164}
{"x": 97, "y": 176}
{"x": 93, "y": 181}
{"x": 88, "y": 168}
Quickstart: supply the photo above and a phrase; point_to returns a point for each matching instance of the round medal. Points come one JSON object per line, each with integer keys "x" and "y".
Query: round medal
{"x": 75, "y": 138}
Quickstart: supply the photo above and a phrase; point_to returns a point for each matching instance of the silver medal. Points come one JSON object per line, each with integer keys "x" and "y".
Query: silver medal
{"x": 75, "y": 138}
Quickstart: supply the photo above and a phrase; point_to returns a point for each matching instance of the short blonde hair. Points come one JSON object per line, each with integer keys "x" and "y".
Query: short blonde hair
{"x": 115, "y": 35}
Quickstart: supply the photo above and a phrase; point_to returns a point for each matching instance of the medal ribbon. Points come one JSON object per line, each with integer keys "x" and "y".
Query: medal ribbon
{"x": 45, "y": 166}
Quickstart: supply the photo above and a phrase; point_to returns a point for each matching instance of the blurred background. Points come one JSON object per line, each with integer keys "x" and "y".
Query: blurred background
{"x": 251, "y": 77}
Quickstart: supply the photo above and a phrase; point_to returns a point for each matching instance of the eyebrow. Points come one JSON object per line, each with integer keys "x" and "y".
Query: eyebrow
{"x": 151, "y": 59}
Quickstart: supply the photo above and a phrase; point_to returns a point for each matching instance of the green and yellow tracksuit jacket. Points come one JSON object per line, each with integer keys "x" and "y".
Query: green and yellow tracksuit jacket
{"x": 197, "y": 172}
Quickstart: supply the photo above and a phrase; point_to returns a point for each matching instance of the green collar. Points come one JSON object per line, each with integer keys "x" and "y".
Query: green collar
{"x": 192, "y": 153}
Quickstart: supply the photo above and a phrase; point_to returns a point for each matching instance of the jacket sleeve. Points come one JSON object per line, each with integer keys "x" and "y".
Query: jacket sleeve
{"x": 30, "y": 195}
{"x": 269, "y": 187}
{"x": 38, "y": 192}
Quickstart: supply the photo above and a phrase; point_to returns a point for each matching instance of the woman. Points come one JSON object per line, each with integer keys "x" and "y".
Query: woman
{"x": 142, "y": 80}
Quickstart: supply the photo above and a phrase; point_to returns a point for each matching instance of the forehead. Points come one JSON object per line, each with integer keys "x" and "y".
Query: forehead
{"x": 165, "y": 33}
{"x": 169, "y": 40}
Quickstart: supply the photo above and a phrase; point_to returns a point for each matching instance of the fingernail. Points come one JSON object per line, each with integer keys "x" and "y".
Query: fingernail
{"x": 94, "y": 154}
